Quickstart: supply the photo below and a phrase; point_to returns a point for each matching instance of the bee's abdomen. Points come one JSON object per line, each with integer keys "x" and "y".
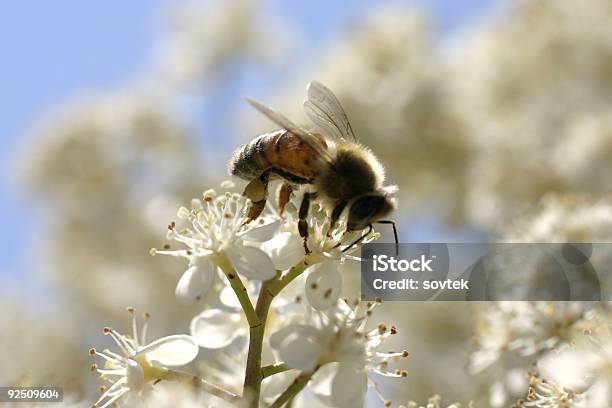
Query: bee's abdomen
{"x": 251, "y": 159}
{"x": 281, "y": 151}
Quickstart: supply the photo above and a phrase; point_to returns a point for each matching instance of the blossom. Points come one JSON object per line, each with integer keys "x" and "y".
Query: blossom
{"x": 218, "y": 238}
{"x": 139, "y": 363}
{"x": 546, "y": 394}
{"x": 337, "y": 347}
{"x": 523, "y": 328}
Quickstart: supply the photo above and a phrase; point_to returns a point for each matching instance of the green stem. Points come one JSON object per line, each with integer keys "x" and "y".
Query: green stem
{"x": 190, "y": 379}
{"x": 253, "y": 374}
{"x": 296, "y": 386}
{"x": 277, "y": 286}
{"x": 272, "y": 369}
{"x": 240, "y": 290}
{"x": 269, "y": 289}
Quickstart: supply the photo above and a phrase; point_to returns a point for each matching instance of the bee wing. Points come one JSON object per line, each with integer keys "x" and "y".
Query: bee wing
{"x": 287, "y": 124}
{"x": 325, "y": 110}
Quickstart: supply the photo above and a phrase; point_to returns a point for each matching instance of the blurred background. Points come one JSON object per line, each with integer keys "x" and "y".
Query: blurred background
{"x": 492, "y": 116}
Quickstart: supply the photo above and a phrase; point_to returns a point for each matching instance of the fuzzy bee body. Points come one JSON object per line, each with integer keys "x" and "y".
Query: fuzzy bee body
{"x": 282, "y": 153}
{"x": 339, "y": 172}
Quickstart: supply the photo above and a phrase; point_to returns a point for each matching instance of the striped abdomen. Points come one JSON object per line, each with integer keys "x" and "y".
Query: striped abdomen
{"x": 282, "y": 152}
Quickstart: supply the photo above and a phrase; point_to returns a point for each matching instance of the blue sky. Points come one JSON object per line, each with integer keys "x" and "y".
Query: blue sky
{"x": 52, "y": 51}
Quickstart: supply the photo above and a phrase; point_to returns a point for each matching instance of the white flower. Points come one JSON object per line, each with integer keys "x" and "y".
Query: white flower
{"x": 140, "y": 363}
{"x": 585, "y": 365}
{"x": 218, "y": 237}
{"x": 546, "y": 394}
{"x": 337, "y": 345}
{"x": 522, "y": 328}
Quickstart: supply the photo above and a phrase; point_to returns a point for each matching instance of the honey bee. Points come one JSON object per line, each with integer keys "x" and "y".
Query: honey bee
{"x": 331, "y": 167}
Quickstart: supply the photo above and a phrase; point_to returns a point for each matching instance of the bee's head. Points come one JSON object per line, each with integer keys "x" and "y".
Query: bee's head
{"x": 370, "y": 208}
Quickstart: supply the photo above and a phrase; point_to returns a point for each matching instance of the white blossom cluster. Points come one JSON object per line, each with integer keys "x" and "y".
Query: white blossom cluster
{"x": 569, "y": 342}
{"x": 327, "y": 340}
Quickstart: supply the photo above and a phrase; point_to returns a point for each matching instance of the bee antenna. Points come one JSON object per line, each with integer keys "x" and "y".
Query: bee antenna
{"x": 358, "y": 240}
{"x": 394, "y": 233}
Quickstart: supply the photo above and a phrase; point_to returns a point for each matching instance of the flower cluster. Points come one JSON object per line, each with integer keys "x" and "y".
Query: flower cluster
{"x": 328, "y": 340}
{"x": 337, "y": 344}
{"x": 139, "y": 363}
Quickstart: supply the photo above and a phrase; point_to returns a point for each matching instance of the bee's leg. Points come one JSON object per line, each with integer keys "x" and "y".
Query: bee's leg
{"x": 257, "y": 191}
{"x": 335, "y": 215}
{"x": 358, "y": 240}
{"x": 283, "y": 197}
{"x": 302, "y": 224}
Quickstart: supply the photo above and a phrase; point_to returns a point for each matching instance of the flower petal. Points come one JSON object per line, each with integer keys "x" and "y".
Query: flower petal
{"x": 285, "y": 249}
{"x": 297, "y": 346}
{"x": 176, "y": 350}
{"x": 228, "y": 298}
{"x": 323, "y": 285}
{"x": 251, "y": 262}
{"x": 214, "y": 329}
{"x": 196, "y": 281}
{"x": 349, "y": 386}
{"x": 261, "y": 233}
{"x": 134, "y": 375}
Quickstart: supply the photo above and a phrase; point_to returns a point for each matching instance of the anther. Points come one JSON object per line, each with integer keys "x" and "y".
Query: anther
{"x": 378, "y": 300}
{"x": 130, "y": 310}
{"x": 153, "y": 251}
{"x": 171, "y": 226}
{"x": 393, "y": 330}
{"x": 208, "y": 195}
{"x": 387, "y": 403}
{"x": 314, "y": 286}
{"x": 382, "y": 328}
{"x": 107, "y": 330}
{"x": 405, "y": 354}
{"x": 93, "y": 367}
{"x": 92, "y": 351}
{"x": 146, "y": 315}
{"x": 327, "y": 293}
{"x": 167, "y": 246}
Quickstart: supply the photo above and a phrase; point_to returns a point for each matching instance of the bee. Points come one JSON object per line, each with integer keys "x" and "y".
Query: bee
{"x": 331, "y": 167}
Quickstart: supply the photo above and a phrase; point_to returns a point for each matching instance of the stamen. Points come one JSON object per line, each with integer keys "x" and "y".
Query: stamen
{"x": 183, "y": 213}
{"x": 209, "y": 195}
